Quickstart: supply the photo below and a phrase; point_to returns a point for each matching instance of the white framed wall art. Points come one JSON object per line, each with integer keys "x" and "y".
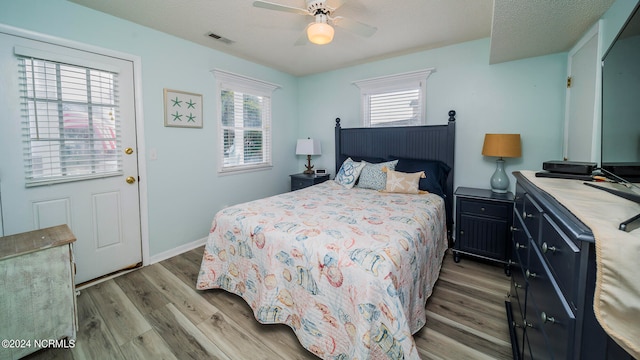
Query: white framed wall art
{"x": 182, "y": 109}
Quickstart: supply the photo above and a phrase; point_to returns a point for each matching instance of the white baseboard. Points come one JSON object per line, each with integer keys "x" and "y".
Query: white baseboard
{"x": 175, "y": 251}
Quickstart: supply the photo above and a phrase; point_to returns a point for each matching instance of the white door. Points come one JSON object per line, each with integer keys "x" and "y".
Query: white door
{"x": 582, "y": 116}
{"x": 99, "y": 205}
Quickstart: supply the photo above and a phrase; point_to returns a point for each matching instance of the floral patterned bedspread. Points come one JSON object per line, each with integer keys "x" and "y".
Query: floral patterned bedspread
{"x": 349, "y": 270}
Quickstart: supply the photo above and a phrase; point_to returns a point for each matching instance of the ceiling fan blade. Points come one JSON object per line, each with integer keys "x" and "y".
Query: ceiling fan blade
{"x": 278, "y": 7}
{"x": 303, "y": 39}
{"x": 355, "y": 26}
{"x": 335, "y": 4}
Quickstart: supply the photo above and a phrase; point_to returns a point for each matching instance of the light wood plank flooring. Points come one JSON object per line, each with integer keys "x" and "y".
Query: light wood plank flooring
{"x": 156, "y": 313}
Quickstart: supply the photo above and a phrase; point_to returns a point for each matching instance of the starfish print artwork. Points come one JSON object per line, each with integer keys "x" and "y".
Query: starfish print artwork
{"x": 182, "y": 109}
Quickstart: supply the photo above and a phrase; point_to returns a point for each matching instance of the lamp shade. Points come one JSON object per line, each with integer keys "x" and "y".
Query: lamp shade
{"x": 320, "y": 33}
{"x": 502, "y": 145}
{"x": 308, "y": 147}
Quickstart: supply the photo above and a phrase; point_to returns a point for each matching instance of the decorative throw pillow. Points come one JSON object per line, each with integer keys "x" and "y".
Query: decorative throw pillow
{"x": 372, "y": 176}
{"x": 348, "y": 173}
{"x": 400, "y": 182}
{"x": 436, "y": 172}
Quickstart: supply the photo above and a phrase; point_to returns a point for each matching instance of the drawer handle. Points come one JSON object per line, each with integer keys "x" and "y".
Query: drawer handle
{"x": 515, "y": 324}
{"x": 530, "y": 274}
{"x": 528, "y": 324}
{"x": 513, "y": 228}
{"x": 520, "y": 246}
{"x": 525, "y": 215}
{"x": 516, "y": 285}
{"x": 547, "y": 319}
{"x": 482, "y": 209}
{"x": 546, "y": 248}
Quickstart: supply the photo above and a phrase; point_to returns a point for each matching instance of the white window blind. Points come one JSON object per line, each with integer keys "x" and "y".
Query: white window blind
{"x": 244, "y": 122}
{"x": 395, "y": 100}
{"x": 70, "y": 122}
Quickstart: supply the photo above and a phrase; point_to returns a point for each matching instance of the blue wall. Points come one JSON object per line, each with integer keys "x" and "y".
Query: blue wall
{"x": 183, "y": 188}
{"x": 525, "y": 97}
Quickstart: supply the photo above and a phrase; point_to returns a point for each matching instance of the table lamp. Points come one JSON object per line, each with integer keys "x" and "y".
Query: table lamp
{"x": 501, "y": 146}
{"x": 308, "y": 147}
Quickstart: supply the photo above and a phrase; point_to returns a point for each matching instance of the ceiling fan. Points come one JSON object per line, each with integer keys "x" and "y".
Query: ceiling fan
{"x": 321, "y": 32}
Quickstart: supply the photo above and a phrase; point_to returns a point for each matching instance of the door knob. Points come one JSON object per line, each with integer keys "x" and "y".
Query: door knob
{"x": 131, "y": 180}
{"x": 128, "y": 151}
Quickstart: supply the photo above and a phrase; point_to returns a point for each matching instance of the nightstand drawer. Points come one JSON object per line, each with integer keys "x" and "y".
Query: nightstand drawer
{"x": 301, "y": 181}
{"x": 297, "y": 184}
{"x": 484, "y": 208}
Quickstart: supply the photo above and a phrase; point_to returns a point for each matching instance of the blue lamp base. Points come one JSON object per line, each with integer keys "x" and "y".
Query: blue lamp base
{"x": 499, "y": 179}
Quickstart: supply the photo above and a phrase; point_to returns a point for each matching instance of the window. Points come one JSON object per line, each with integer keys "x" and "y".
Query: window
{"x": 244, "y": 120}
{"x": 70, "y": 123}
{"x": 395, "y": 100}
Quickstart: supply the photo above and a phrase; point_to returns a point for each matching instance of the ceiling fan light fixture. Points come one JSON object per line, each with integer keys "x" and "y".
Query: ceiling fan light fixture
{"x": 320, "y": 32}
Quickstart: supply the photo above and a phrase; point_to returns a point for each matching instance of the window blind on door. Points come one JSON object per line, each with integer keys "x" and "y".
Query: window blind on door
{"x": 71, "y": 124}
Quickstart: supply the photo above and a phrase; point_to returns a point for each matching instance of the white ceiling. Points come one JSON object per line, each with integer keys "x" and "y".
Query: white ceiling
{"x": 518, "y": 28}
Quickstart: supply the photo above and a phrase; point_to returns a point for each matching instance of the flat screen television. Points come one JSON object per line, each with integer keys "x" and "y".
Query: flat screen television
{"x": 621, "y": 103}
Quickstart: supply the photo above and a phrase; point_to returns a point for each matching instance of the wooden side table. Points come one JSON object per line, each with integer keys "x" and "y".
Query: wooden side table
{"x": 483, "y": 225}
{"x": 38, "y": 300}
{"x": 301, "y": 181}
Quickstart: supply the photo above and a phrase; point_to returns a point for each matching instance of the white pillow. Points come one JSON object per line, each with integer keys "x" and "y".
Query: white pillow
{"x": 349, "y": 172}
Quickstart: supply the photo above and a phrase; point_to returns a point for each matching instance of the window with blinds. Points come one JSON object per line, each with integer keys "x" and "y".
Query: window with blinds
{"x": 395, "y": 100}
{"x": 70, "y": 122}
{"x": 244, "y": 121}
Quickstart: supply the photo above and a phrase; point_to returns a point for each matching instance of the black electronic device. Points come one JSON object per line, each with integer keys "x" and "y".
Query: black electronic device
{"x": 558, "y": 175}
{"x": 620, "y": 105}
{"x": 569, "y": 167}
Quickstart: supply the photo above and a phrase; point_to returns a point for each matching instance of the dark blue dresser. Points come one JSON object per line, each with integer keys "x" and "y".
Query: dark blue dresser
{"x": 550, "y": 307}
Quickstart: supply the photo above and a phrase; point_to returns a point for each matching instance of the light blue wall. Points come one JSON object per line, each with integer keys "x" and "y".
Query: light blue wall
{"x": 184, "y": 190}
{"x": 525, "y": 97}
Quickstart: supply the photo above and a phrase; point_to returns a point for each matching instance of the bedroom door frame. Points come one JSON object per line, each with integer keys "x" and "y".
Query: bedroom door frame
{"x": 139, "y": 127}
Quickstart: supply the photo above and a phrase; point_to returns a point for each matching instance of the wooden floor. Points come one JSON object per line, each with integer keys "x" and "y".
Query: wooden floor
{"x": 156, "y": 313}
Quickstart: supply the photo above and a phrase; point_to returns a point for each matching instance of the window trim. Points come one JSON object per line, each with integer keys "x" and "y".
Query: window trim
{"x": 251, "y": 86}
{"x": 390, "y": 83}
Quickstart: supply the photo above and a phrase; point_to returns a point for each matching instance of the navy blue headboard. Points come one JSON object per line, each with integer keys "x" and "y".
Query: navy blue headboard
{"x": 429, "y": 142}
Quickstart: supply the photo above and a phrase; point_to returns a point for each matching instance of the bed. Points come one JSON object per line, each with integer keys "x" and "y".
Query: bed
{"x": 348, "y": 268}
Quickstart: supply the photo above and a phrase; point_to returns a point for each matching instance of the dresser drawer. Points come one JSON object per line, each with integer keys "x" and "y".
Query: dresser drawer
{"x": 531, "y": 215}
{"x": 484, "y": 208}
{"x": 518, "y": 297}
{"x": 519, "y": 199}
{"x": 520, "y": 245}
{"x": 563, "y": 257}
{"x": 549, "y": 318}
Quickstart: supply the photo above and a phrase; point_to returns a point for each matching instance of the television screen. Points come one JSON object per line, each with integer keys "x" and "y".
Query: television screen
{"x": 621, "y": 103}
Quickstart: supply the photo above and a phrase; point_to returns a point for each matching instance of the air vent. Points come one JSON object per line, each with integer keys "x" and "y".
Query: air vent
{"x": 220, "y": 38}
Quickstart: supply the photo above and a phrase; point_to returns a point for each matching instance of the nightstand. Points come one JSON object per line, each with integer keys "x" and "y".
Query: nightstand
{"x": 483, "y": 225}
{"x": 301, "y": 181}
